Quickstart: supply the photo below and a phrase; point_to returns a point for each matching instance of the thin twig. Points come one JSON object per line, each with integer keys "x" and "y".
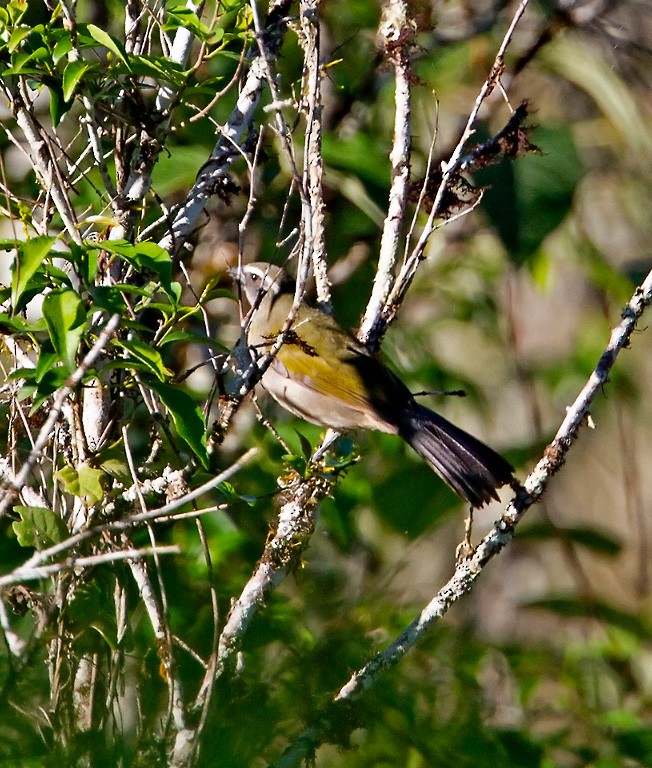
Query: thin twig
{"x": 449, "y": 168}
{"x": 22, "y": 574}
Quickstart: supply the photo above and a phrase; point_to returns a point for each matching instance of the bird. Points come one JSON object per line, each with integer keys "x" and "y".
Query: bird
{"x": 323, "y": 374}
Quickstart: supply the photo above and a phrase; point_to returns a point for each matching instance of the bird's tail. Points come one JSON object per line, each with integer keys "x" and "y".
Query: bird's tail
{"x": 468, "y": 466}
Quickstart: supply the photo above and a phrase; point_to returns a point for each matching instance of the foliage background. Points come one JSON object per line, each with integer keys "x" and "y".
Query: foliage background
{"x": 549, "y": 661}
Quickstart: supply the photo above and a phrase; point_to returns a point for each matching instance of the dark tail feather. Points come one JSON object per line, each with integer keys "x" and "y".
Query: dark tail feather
{"x": 471, "y": 468}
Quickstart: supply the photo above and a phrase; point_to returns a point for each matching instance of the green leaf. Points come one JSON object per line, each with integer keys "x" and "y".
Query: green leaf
{"x": 187, "y": 417}
{"x": 91, "y": 480}
{"x": 145, "y": 255}
{"x": 147, "y": 356}
{"x": 17, "y": 36}
{"x": 109, "y": 298}
{"x": 58, "y": 105}
{"x": 39, "y": 527}
{"x": 159, "y": 68}
{"x": 65, "y": 316}
{"x": 306, "y": 448}
{"x": 105, "y": 39}
{"x": 117, "y": 469}
{"x": 62, "y": 48}
{"x": 52, "y": 380}
{"x": 83, "y": 481}
{"x": 72, "y": 75}
{"x": 193, "y": 338}
{"x": 29, "y": 258}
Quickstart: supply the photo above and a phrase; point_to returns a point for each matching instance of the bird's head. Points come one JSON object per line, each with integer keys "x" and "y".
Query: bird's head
{"x": 260, "y": 279}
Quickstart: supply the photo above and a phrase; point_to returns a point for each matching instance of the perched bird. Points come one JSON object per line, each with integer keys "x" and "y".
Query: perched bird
{"x": 326, "y": 376}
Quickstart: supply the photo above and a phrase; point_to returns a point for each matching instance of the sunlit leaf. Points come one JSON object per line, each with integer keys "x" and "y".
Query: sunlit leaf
{"x": 110, "y": 43}
{"x": 65, "y": 316}
{"x": 147, "y": 356}
{"x": 29, "y": 258}
{"x": 72, "y": 76}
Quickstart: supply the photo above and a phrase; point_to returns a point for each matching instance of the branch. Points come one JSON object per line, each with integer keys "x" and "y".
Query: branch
{"x": 296, "y": 521}
{"x": 449, "y": 169}
{"x": 213, "y": 174}
{"x": 24, "y": 573}
{"x": 160, "y": 514}
{"x": 313, "y": 163}
{"x": 397, "y": 30}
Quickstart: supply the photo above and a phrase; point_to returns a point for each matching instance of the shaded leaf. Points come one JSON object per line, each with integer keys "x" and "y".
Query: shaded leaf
{"x": 147, "y": 356}
{"x": 72, "y": 76}
{"x": 39, "y": 527}
{"x": 29, "y": 258}
{"x": 187, "y": 418}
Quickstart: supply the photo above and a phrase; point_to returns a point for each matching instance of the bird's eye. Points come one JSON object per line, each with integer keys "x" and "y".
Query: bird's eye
{"x": 255, "y": 277}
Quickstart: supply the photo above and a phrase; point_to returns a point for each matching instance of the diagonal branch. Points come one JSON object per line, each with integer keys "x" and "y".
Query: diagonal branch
{"x": 213, "y": 175}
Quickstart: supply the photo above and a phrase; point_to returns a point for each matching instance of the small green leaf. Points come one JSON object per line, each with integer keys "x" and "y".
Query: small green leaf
{"x": 91, "y": 482}
{"x": 72, "y": 74}
{"x": 109, "y": 298}
{"x": 58, "y": 105}
{"x": 117, "y": 469}
{"x": 62, "y": 48}
{"x": 29, "y": 258}
{"x": 187, "y": 418}
{"x": 306, "y": 448}
{"x": 159, "y": 68}
{"x": 105, "y": 39}
{"x": 68, "y": 477}
{"x": 83, "y": 481}
{"x": 17, "y": 36}
{"x": 39, "y": 527}
{"x": 65, "y": 316}
{"x": 147, "y": 356}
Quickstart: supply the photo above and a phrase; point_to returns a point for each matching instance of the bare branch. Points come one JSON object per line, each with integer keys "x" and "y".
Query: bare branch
{"x": 397, "y": 31}
{"x": 213, "y": 174}
{"x": 449, "y": 168}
